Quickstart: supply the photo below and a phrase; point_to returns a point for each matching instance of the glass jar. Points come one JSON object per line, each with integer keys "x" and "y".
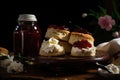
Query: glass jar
{"x": 27, "y": 36}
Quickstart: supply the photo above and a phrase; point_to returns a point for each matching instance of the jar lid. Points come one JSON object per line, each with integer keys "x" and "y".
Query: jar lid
{"x": 27, "y": 17}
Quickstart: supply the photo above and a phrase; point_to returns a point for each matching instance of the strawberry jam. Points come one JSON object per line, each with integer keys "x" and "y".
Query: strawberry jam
{"x": 27, "y": 36}
{"x": 82, "y": 44}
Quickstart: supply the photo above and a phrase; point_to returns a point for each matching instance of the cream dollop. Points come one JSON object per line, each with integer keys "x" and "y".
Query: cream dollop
{"x": 83, "y": 50}
{"x": 50, "y": 45}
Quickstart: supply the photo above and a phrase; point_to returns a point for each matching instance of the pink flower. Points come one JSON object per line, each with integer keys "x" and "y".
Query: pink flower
{"x": 106, "y": 22}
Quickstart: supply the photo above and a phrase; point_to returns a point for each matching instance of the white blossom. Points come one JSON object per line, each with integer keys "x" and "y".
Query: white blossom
{"x": 6, "y": 62}
{"x": 84, "y": 15}
{"x": 15, "y": 67}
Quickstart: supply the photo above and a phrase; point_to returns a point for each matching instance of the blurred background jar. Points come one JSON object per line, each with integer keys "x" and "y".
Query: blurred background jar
{"x": 27, "y": 36}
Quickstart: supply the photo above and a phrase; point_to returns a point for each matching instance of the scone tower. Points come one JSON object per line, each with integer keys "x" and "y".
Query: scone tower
{"x": 61, "y": 41}
{"x": 57, "y": 41}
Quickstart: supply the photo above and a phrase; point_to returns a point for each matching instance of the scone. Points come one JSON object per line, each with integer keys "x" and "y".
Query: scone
{"x": 83, "y": 48}
{"x": 51, "y": 47}
{"x": 77, "y": 36}
{"x": 82, "y": 44}
{"x": 66, "y": 46}
{"x": 3, "y": 51}
{"x": 58, "y": 32}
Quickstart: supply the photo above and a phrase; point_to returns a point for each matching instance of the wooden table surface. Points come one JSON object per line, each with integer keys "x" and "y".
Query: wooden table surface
{"x": 64, "y": 69}
{"x": 42, "y": 74}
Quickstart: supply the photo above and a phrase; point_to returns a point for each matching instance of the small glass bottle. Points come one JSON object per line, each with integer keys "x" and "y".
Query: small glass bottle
{"x": 27, "y": 36}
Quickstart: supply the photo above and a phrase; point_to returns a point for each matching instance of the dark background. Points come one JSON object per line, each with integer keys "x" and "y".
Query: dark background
{"x": 47, "y": 12}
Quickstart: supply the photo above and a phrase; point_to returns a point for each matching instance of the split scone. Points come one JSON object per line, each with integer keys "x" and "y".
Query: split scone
{"x": 51, "y": 47}
{"x": 67, "y": 46}
{"x": 82, "y": 44}
{"x": 78, "y": 36}
{"x": 58, "y": 32}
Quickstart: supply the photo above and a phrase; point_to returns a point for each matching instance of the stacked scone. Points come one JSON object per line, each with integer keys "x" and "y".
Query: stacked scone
{"x": 57, "y": 41}
{"x": 82, "y": 43}
{"x": 61, "y": 41}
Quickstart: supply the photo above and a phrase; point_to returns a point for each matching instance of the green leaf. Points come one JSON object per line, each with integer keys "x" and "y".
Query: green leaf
{"x": 102, "y": 10}
{"x": 93, "y": 13}
{"x": 116, "y": 10}
{"x": 3, "y": 57}
{"x": 77, "y": 26}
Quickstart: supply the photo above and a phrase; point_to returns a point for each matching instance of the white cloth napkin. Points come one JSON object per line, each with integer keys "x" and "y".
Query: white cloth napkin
{"x": 112, "y": 47}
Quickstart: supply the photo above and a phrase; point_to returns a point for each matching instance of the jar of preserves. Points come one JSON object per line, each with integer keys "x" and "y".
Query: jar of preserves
{"x": 27, "y": 36}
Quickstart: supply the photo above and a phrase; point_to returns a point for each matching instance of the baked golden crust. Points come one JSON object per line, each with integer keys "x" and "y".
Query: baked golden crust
{"x": 76, "y": 36}
{"x": 66, "y": 46}
{"x": 3, "y": 50}
{"x": 59, "y": 34}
